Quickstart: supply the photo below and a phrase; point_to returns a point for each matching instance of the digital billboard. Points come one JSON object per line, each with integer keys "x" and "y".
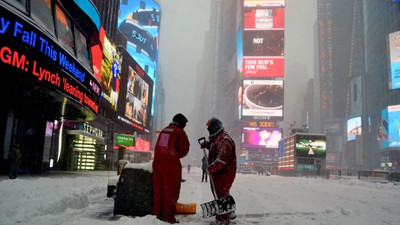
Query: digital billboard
{"x": 263, "y": 39}
{"x": 354, "y": 128}
{"x": 309, "y": 145}
{"x": 263, "y": 43}
{"x": 27, "y": 50}
{"x": 383, "y": 130}
{"x": 139, "y": 21}
{"x": 257, "y": 137}
{"x": 134, "y": 104}
{"x": 394, "y": 125}
{"x": 110, "y": 73}
{"x": 394, "y": 45}
{"x": 263, "y": 98}
{"x": 264, "y": 18}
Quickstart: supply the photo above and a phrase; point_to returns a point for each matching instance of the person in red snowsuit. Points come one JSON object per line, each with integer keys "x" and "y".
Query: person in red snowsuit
{"x": 172, "y": 144}
{"x": 222, "y": 162}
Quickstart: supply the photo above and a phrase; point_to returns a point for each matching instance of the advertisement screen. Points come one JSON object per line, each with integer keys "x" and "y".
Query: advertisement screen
{"x": 110, "y": 73}
{"x": 263, "y": 43}
{"x": 263, "y": 98}
{"x": 309, "y": 145}
{"x": 134, "y": 105}
{"x": 27, "y": 50}
{"x": 139, "y": 21}
{"x": 264, "y": 18}
{"x": 383, "y": 130}
{"x": 256, "y": 137}
{"x": 353, "y": 128}
{"x": 394, "y": 45}
{"x": 263, "y": 66}
{"x": 394, "y": 125}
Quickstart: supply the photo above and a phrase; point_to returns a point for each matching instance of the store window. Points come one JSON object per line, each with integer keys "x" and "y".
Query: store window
{"x": 20, "y": 4}
{"x": 41, "y": 12}
{"x": 64, "y": 29}
{"x": 82, "y": 48}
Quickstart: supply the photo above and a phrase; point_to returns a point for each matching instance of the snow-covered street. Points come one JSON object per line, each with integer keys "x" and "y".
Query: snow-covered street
{"x": 80, "y": 198}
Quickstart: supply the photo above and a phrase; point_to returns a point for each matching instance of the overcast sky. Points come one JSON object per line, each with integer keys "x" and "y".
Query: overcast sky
{"x": 183, "y": 27}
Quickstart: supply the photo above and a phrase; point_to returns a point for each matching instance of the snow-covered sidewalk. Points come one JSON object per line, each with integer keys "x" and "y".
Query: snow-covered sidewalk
{"x": 80, "y": 198}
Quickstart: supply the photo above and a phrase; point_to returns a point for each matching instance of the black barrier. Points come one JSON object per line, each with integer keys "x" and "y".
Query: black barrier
{"x": 134, "y": 195}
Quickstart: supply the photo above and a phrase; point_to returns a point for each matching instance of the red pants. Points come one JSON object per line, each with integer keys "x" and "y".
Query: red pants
{"x": 166, "y": 188}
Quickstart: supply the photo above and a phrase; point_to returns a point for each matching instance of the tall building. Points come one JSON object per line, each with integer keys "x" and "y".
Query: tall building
{"x": 355, "y": 92}
{"x": 382, "y": 96}
{"x": 339, "y": 58}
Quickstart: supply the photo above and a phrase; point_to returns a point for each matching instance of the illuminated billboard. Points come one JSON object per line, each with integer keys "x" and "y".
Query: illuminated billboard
{"x": 394, "y": 127}
{"x": 263, "y": 98}
{"x": 354, "y": 128}
{"x": 383, "y": 130}
{"x": 263, "y": 43}
{"x": 134, "y": 105}
{"x": 257, "y": 137}
{"x": 29, "y": 51}
{"x": 309, "y": 145}
{"x": 139, "y": 21}
{"x": 110, "y": 73}
{"x": 394, "y": 45}
{"x": 264, "y": 18}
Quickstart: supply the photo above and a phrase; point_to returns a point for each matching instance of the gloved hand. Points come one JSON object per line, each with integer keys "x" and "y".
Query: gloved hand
{"x": 205, "y": 144}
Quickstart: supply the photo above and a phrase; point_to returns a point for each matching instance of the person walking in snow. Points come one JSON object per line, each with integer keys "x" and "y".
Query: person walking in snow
{"x": 222, "y": 163}
{"x": 172, "y": 144}
{"x": 204, "y": 168}
{"x": 14, "y": 158}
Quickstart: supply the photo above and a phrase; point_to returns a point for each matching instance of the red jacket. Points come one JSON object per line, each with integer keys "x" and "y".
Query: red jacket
{"x": 222, "y": 163}
{"x": 172, "y": 144}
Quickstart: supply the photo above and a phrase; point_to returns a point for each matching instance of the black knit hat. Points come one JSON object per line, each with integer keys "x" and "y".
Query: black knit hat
{"x": 180, "y": 119}
{"x": 214, "y": 126}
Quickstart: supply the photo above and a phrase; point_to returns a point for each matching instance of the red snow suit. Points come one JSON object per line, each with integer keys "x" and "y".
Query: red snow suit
{"x": 172, "y": 144}
{"x": 222, "y": 166}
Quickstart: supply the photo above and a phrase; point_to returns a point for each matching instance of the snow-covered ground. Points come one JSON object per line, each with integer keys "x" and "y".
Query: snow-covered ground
{"x": 80, "y": 198}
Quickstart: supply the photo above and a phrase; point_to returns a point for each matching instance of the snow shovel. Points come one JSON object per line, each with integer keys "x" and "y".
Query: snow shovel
{"x": 218, "y": 206}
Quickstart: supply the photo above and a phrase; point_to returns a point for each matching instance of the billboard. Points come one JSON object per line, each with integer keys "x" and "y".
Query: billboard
{"x": 29, "y": 51}
{"x": 309, "y": 145}
{"x": 264, "y": 18}
{"x": 110, "y": 73}
{"x": 383, "y": 130}
{"x": 263, "y": 43}
{"x": 134, "y": 106}
{"x": 139, "y": 21}
{"x": 394, "y": 127}
{"x": 257, "y": 137}
{"x": 263, "y": 98}
{"x": 394, "y": 45}
{"x": 354, "y": 128}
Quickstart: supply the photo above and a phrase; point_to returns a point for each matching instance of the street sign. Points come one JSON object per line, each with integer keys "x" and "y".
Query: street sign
{"x": 126, "y": 140}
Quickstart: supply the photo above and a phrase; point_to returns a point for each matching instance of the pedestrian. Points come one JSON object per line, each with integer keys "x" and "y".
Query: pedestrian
{"x": 14, "y": 158}
{"x": 188, "y": 168}
{"x": 222, "y": 163}
{"x": 172, "y": 144}
{"x": 204, "y": 168}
